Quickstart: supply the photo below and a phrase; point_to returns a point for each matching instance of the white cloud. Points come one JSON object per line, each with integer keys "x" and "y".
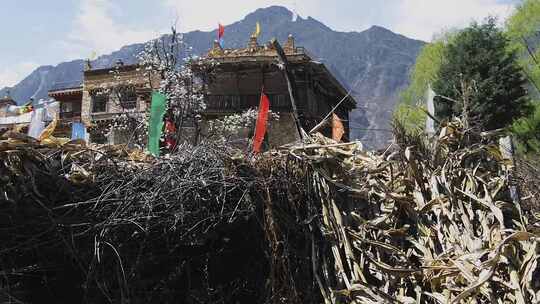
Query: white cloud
{"x": 95, "y": 30}
{"x": 424, "y": 18}
{"x": 15, "y": 73}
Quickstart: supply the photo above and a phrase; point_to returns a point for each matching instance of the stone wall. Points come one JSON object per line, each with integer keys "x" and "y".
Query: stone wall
{"x": 283, "y": 131}
{"x": 280, "y": 132}
{"x": 104, "y": 80}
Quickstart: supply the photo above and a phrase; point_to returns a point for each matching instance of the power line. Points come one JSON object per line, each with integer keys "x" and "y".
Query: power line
{"x": 365, "y": 129}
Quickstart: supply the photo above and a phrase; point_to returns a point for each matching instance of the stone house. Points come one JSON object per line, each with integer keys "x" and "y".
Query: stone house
{"x": 103, "y": 95}
{"x": 109, "y": 92}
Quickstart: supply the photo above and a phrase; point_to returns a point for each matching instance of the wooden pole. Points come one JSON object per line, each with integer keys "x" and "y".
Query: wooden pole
{"x": 506, "y": 146}
{"x": 291, "y": 84}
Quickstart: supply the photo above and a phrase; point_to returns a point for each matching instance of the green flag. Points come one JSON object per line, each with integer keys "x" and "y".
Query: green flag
{"x": 157, "y": 111}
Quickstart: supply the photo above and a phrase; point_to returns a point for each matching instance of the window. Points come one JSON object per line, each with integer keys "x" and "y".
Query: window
{"x": 215, "y": 102}
{"x": 279, "y": 101}
{"x": 242, "y": 102}
{"x": 66, "y": 110}
{"x": 232, "y": 102}
{"x": 66, "y": 107}
{"x": 128, "y": 98}
{"x": 99, "y": 102}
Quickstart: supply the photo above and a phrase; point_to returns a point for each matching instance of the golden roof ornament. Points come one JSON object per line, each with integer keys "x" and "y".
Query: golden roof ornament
{"x": 216, "y": 50}
{"x": 253, "y": 44}
{"x": 289, "y": 45}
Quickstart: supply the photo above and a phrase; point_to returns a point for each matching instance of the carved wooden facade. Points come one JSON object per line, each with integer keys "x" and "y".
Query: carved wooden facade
{"x": 241, "y": 74}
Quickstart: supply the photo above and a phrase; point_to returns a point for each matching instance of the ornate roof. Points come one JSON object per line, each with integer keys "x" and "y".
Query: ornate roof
{"x": 255, "y": 55}
{"x": 253, "y": 49}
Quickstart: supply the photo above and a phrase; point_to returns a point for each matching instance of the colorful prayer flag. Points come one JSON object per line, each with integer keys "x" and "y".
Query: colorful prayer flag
{"x": 221, "y": 33}
{"x": 262, "y": 120}
{"x": 78, "y": 131}
{"x": 36, "y": 123}
{"x": 27, "y": 109}
{"x": 170, "y": 134}
{"x": 19, "y": 110}
{"x": 157, "y": 111}
{"x": 337, "y": 128}
{"x": 257, "y": 30}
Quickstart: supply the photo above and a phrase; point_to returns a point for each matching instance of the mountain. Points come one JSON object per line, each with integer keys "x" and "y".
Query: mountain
{"x": 374, "y": 63}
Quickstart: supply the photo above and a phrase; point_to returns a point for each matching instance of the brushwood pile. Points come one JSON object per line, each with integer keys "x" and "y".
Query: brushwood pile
{"x": 447, "y": 219}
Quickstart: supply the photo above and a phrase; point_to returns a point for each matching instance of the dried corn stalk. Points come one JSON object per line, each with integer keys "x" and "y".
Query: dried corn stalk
{"x": 429, "y": 223}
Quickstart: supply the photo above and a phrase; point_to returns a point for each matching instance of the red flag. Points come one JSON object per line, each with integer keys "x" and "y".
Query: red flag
{"x": 337, "y": 128}
{"x": 221, "y": 31}
{"x": 262, "y": 119}
{"x": 170, "y": 132}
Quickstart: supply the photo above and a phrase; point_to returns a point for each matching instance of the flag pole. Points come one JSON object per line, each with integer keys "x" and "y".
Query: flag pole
{"x": 291, "y": 84}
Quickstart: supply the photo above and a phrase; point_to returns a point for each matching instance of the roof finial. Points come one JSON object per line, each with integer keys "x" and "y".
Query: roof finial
{"x": 253, "y": 44}
{"x": 87, "y": 65}
{"x": 289, "y": 45}
{"x": 216, "y": 50}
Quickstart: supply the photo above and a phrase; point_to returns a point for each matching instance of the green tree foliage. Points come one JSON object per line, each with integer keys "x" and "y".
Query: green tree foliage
{"x": 426, "y": 69}
{"x": 527, "y": 132}
{"x": 523, "y": 28}
{"x": 410, "y": 117}
{"x": 411, "y": 108}
{"x": 480, "y": 57}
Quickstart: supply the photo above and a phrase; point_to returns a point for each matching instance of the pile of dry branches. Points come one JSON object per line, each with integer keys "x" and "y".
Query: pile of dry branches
{"x": 427, "y": 221}
{"x": 102, "y": 224}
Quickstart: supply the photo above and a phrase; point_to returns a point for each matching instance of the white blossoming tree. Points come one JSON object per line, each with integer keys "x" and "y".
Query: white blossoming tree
{"x": 225, "y": 128}
{"x": 170, "y": 59}
{"x": 183, "y": 79}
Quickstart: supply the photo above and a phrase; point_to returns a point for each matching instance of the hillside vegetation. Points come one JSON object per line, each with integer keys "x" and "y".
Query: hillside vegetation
{"x": 498, "y": 71}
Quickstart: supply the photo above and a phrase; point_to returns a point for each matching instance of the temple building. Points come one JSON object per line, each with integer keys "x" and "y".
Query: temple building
{"x": 241, "y": 74}
{"x": 235, "y": 85}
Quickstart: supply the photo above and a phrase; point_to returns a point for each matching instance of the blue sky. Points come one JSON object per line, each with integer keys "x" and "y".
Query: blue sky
{"x": 39, "y": 32}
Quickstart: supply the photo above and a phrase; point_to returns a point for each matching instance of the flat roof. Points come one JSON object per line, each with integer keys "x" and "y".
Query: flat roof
{"x": 122, "y": 68}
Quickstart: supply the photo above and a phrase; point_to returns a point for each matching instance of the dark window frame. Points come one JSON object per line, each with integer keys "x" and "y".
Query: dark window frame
{"x": 128, "y": 98}
{"x": 100, "y": 102}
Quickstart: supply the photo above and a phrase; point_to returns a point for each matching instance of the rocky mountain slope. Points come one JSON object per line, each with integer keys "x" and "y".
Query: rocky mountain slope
{"x": 374, "y": 63}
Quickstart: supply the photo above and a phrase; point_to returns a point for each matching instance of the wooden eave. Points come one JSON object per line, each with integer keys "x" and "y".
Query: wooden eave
{"x": 105, "y": 71}
{"x": 66, "y": 92}
{"x": 328, "y": 78}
